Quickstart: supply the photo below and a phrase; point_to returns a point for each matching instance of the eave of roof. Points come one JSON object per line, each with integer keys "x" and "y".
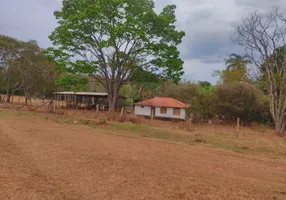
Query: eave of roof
{"x": 163, "y": 102}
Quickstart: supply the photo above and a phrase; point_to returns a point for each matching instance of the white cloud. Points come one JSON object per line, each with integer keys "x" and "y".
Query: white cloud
{"x": 206, "y": 23}
{"x": 195, "y": 70}
{"x": 29, "y": 19}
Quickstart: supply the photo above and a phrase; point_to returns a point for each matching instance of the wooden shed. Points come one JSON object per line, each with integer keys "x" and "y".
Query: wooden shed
{"x": 84, "y": 99}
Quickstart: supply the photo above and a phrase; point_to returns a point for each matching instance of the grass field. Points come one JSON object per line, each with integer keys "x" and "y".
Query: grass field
{"x": 45, "y": 156}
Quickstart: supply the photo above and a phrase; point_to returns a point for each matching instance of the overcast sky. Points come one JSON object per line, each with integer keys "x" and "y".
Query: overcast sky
{"x": 206, "y": 23}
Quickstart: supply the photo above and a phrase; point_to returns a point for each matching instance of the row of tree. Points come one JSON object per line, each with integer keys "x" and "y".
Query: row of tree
{"x": 235, "y": 96}
{"x": 24, "y": 69}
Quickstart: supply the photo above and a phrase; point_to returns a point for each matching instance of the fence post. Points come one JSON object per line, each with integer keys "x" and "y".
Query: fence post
{"x": 54, "y": 107}
{"x": 191, "y": 121}
{"x": 122, "y": 111}
{"x": 30, "y": 104}
{"x": 238, "y": 124}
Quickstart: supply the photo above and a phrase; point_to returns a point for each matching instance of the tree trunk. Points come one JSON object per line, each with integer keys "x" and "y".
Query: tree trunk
{"x": 280, "y": 125}
{"x": 113, "y": 91}
{"x": 26, "y": 98}
{"x": 8, "y": 96}
{"x": 277, "y": 110}
{"x": 111, "y": 102}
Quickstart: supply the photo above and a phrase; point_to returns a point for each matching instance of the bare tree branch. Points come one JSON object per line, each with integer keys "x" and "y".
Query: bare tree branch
{"x": 264, "y": 39}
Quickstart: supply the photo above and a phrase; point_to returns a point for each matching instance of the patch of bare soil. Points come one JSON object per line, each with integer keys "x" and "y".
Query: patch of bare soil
{"x": 40, "y": 159}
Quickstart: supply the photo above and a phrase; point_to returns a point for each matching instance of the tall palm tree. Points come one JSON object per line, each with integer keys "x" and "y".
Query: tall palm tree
{"x": 235, "y": 62}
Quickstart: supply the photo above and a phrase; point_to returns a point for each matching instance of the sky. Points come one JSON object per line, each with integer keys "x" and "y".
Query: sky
{"x": 207, "y": 24}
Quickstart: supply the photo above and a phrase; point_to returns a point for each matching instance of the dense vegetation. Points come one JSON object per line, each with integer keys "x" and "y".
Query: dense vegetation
{"x": 223, "y": 102}
{"x": 24, "y": 69}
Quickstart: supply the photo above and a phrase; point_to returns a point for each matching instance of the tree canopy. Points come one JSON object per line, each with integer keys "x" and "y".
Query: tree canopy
{"x": 236, "y": 69}
{"x": 112, "y": 40}
{"x": 236, "y": 61}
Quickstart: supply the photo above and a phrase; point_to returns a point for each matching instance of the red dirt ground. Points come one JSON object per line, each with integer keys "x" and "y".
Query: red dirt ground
{"x": 40, "y": 159}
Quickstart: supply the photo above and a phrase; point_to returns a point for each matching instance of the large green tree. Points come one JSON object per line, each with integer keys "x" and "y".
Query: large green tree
{"x": 112, "y": 39}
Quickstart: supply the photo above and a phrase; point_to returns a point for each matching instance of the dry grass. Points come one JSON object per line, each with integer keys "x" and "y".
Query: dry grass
{"x": 246, "y": 141}
{"x": 117, "y": 117}
{"x": 255, "y": 140}
{"x": 45, "y": 156}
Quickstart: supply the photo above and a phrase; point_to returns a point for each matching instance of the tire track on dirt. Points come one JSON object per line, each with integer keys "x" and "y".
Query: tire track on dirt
{"x": 20, "y": 176}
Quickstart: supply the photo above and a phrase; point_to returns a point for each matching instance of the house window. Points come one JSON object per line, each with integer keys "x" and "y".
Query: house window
{"x": 142, "y": 106}
{"x": 163, "y": 110}
{"x": 176, "y": 111}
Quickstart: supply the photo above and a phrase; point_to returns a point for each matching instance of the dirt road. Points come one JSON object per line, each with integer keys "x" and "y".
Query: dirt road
{"x": 40, "y": 159}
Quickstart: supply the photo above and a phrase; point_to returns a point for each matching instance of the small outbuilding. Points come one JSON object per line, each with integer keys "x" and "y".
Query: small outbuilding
{"x": 162, "y": 107}
{"x": 87, "y": 99}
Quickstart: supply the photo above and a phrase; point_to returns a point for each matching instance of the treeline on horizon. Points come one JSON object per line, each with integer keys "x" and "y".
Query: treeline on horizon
{"x": 235, "y": 95}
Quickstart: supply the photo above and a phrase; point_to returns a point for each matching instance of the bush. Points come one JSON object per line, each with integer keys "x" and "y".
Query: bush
{"x": 241, "y": 100}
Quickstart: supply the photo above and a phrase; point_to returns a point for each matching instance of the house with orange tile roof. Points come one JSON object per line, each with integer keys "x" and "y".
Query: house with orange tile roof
{"x": 162, "y": 107}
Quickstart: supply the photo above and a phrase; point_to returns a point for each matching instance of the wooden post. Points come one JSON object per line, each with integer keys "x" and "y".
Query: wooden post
{"x": 49, "y": 106}
{"x": 97, "y": 107}
{"x": 152, "y": 113}
{"x": 55, "y": 101}
{"x": 122, "y": 111}
{"x": 238, "y": 124}
{"x": 191, "y": 121}
{"x": 29, "y": 104}
{"x": 76, "y": 109}
{"x": 54, "y": 107}
{"x": 65, "y": 99}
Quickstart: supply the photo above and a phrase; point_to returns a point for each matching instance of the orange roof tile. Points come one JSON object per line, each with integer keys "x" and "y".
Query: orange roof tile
{"x": 163, "y": 102}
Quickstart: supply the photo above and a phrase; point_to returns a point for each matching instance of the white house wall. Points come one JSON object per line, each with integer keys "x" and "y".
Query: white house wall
{"x": 170, "y": 114}
{"x": 144, "y": 111}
